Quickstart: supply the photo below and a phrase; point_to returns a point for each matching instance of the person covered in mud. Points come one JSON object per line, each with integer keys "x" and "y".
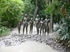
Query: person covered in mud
{"x": 25, "y": 23}
{"x": 19, "y": 26}
{"x": 37, "y": 22}
{"x": 31, "y": 25}
{"x": 41, "y": 26}
{"x": 46, "y": 25}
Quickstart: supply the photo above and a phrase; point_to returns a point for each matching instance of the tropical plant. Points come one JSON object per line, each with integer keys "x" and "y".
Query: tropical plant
{"x": 4, "y": 31}
{"x": 11, "y": 12}
{"x": 63, "y": 29}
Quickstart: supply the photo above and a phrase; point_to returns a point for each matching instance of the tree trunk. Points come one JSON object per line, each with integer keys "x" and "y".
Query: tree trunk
{"x": 51, "y": 23}
{"x": 36, "y": 9}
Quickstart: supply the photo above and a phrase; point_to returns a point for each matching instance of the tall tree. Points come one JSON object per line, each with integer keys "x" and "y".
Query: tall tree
{"x": 40, "y": 6}
{"x": 52, "y": 9}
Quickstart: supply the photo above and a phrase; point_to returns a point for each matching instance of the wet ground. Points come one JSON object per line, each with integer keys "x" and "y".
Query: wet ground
{"x": 16, "y": 39}
{"x": 28, "y": 46}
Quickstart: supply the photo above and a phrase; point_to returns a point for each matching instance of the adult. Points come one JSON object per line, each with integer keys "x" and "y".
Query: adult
{"x": 46, "y": 25}
{"x": 41, "y": 26}
{"x": 19, "y": 26}
{"x": 37, "y": 22}
{"x": 31, "y": 25}
{"x": 25, "y": 23}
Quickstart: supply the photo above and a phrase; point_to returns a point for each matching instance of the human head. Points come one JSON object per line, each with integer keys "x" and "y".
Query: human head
{"x": 45, "y": 19}
{"x": 37, "y": 15}
{"x": 20, "y": 20}
{"x": 26, "y": 15}
{"x": 41, "y": 18}
{"x": 46, "y": 16}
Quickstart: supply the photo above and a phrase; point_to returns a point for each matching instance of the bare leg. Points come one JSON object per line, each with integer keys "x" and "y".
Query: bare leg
{"x": 47, "y": 30}
{"x": 37, "y": 30}
{"x": 31, "y": 29}
{"x": 40, "y": 31}
{"x": 23, "y": 28}
{"x": 19, "y": 30}
{"x": 26, "y": 29}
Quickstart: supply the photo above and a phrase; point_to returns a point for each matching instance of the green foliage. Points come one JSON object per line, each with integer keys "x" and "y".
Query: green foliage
{"x": 28, "y": 7}
{"x": 52, "y": 7}
{"x": 41, "y": 7}
{"x": 4, "y": 31}
{"x": 62, "y": 30}
{"x": 11, "y": 12}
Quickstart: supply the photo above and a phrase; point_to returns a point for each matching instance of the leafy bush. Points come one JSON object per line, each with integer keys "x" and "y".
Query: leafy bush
{"x": 63, "y": 30}
{"x": 28, "y": 8}
{"x": 11, "y": 12}
{"x": 4, "y": 31}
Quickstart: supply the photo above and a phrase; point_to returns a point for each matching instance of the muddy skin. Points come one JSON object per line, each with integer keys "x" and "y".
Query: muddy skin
{"x": 25, "y": 24}
{"x": 31, "y": 25}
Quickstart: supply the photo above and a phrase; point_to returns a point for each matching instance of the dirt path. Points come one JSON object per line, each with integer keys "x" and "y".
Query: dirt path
{"x": 16, "y": 39}
{"x": 29, "y": 46}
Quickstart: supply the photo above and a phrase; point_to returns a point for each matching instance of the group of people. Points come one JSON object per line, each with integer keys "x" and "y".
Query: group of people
{"x": 42, "y": 25}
